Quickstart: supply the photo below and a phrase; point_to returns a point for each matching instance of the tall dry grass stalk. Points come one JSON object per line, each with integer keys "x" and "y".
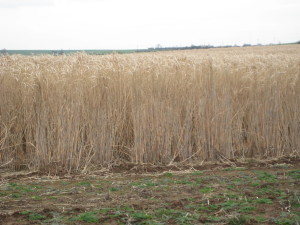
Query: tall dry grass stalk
{"x": 80, "y": 110}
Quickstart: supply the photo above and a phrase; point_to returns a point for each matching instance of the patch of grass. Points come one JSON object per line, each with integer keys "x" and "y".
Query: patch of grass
{"x": 214, "y": 218}
{"x": 295, "y": 174}
{"x": 247, "y": 209}
{"x": 264, "y": 201}
{"x": 85, "y": 183}
{"x": 260, "y": 219}
{"x": 198, "y": 180}
{"x": 19, "y": 188}
{"x": 103, "y": 210}
{"x": 238, "y": 181}
{"x": 197, "y": 173}
{"x": 52, "y": 197}
{"x": 168, "y": 174}
{"x": 36, "y": 216}
{"x": 88, "y": 217}
{"x": 141, "y": 216}
{"x": 262, "y": 175}
{"x": 287, "y": 218}
{"x": 231, "y": 186}
{"x": 150, "y": 184}
{"x": 114, "y": 189}
{"x": 183, "y": 182}
{"x": 65, "y": 182}
{"x": 25, "y": 212}
{"x": 186, "y": 218}
{"x": 255, "y": 184}
{"x": 295, "y": 200}
{"x": 2, "y": 194}
{"x": 16, "y": 195}
{"x": 229, "y": 204}
{"x": 13, "y": 184}
{"x": 206, "y": 190}
{"x": 269, "y": 190}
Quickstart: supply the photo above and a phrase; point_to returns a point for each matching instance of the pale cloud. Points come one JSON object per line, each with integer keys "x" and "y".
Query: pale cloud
{"x": 106, "y": 24}
{"x": 24, "y": 3}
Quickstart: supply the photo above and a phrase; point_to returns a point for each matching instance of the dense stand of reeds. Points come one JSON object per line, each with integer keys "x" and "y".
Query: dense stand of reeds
{"x": 78, "y": 111}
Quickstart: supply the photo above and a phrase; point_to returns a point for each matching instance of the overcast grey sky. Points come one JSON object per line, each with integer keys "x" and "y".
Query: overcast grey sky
{"x": 131, "y": 24}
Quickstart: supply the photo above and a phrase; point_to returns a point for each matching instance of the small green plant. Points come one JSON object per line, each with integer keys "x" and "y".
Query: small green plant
{"x": 197, "y": 173}
{"x": 65, "y": 182}
{"x": 103, "y": 210}
{"x": 295, "y": 174}
{"x": 26, "y": 212}
{"x": 85, "y": 183}
{"x": 231, "y": 186}
{"x": 13, "y": 184}
{"x": 36, "y": 216}
{"x": 247, "y": 209}
{"x": 229, "y": 205}
{"x": 114, "y": 189}
{"x": 150, "y": 184}
{"x": 264, "y": 176}
{"x": 214, "y": 218}
{"x": 206, "y": 190}
{"x": 264, "y": 201}
{"x": 141, "y": 216}
{"x": 52, "y": 197}
{"x": 198, "y": 180}
{"x": 16, "y": 195}
{"x": 261, "y": 219}
{"x": 186, "y": 218}
{"x": 168, "y": 174}
{"x": 88, "y": 217}
{"x": 183, "y": 182}
{"x": 255, "y": 184}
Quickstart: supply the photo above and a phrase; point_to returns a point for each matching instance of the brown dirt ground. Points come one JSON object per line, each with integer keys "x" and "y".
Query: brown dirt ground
{"x": 144, "y": 188}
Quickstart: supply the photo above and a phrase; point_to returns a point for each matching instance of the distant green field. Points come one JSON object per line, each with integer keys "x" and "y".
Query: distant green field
{"x": 57, "y": 52}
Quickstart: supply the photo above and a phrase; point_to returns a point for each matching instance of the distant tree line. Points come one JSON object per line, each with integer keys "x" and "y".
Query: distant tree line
{"x": 3, "y": 52}
{"x": 58, "y": 52}
{"x": 160, "y": 48}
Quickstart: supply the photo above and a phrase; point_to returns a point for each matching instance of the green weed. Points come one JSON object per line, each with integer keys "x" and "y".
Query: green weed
{"x": 295, "y": 174}
{"x": 262, "y": 175}
{"x": 168, "y": 174}
{"x": 260, "y": 219}
{"x": 141, "y": 216}
{"x": 114, "y": 189}
{"x": 264, "y": 201}
{"x": 88, "y": 217}
{"x": 16, "y": 195}
{"x": 206, "y": 190}
{"x": 197, "y": 173}
{"x": 247, "y": 209}
{"x": 25, "y": 212}
{"x": 36, "y": 216}
{"x": 85, "y": 183}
